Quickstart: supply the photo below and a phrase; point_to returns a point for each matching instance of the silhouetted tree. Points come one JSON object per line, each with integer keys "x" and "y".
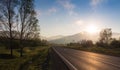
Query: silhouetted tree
{"x": 44, "y": 43}
{"x": 87, "y": 43}
{"x": 4, "y": 39}
{"x": 18, "y": 21}
{"x": 73, "y": 44}
{"x": 115, "y": 43}
{"x": 7, "y": 15}
{"x": 105, "y": 36}
{"x": 28, "y": 26}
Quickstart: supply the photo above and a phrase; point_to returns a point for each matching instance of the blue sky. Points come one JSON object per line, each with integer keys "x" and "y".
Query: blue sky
{"x": 67, "y": 17}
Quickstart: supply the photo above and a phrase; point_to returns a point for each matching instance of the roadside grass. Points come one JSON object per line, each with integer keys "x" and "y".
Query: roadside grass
{"x": 39, "y": 60}
{"x": 96, "y": 49}
{"x": 33, "y": 58}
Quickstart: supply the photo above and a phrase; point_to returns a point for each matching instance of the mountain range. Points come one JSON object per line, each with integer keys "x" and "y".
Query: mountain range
{"x": 60, "y": 39}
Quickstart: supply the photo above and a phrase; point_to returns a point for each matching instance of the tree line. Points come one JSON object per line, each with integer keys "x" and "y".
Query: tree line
{"x": 105, "y": 40}
{"x": 18, "y": 24}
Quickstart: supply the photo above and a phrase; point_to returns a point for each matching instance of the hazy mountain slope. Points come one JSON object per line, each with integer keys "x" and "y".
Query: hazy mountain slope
{"x": 43, "y": 37}
{"x": 74, "y": 38}
{"x": 80, "y": 36}
{"x": 54, "y": 37}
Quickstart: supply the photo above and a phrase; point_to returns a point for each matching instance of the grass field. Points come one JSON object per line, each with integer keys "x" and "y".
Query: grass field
{"x": 33, "y": 59}
{"x": 101, "y": 50}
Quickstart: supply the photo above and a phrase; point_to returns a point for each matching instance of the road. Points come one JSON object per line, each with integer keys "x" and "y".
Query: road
{"x": 81, "y": 60}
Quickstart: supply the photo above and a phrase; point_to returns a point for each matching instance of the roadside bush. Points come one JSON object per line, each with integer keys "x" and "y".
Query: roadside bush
{"x": 101, "y": 44}
{"x": 73, "y": 44}
{"x": 87, "y": 43}
{"x": 115, "y": 44}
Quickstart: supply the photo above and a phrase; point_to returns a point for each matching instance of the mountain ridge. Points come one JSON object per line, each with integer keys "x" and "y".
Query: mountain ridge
{"x": 60, "y": 39}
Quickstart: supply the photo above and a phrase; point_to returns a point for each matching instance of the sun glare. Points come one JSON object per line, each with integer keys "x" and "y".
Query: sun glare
{"x": 92, "y": 29}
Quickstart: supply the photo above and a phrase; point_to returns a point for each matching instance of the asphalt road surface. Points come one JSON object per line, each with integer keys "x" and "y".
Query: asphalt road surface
{"x": 81, "y": 60}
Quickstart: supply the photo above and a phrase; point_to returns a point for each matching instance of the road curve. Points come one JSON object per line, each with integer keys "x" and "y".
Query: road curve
{"x": 81, "y": 60}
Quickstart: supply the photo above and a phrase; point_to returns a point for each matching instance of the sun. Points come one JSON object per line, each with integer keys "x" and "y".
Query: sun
{"x": 92, "y": 29}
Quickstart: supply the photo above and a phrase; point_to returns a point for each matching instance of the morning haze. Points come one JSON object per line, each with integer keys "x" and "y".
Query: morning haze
{"x": 59, "y": 35}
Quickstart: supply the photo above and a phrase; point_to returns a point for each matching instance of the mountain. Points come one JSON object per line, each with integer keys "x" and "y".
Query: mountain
{"x": 51, "y": 38}
{"x": 75, "y": 38}
{"x": 54, "y": 37}
{"x": 43, "y": 37}
{"x": 80, "y": 36}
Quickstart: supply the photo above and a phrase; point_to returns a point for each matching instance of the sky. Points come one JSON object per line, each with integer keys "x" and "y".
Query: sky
{"x": 67, "y": 17}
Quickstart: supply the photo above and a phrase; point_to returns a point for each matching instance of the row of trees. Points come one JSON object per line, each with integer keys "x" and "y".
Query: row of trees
{"x": 105, "y": 40}
{"x": 18, "y": 22}
{"x": 83, "y": 43}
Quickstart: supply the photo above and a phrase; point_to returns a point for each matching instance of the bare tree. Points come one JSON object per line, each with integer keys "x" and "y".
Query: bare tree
{"x": 18, "y": 19}
{"x": 27, "y": 21}
{"x": 7, "y": 15}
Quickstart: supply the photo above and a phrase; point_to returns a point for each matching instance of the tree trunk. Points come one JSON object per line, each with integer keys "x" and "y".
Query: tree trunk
{"x": 10, "y": 25}
{"x": 21, "y": 45}
{"x": 11, "y": 52}
{"x": 21, "y": 51}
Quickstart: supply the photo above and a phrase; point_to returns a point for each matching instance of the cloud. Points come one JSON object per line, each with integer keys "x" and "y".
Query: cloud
{"x": 47, "y": 11}
{"x": 95, "y": 3}
{"x": 71, "y": 12}
{"x": 87, "y": 22}
{"x": 79, "y": 22}
{"x": 52, "y": 10}
{"x": 66, "y": 4}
